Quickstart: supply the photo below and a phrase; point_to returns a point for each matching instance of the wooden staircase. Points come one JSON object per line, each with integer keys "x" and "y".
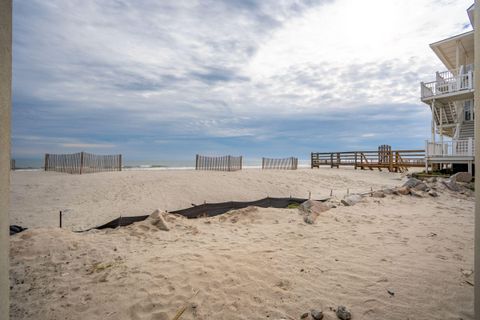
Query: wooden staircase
{"x": 448, "y": 116}
{"x": 467, "y": 130}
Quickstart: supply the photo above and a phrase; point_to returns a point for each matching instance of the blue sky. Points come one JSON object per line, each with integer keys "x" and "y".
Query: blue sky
{"x": 164, "y": 80}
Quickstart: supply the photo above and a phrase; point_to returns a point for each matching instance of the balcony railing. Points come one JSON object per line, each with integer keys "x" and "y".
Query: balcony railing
{"x": 454, "y": 148}
{"x": 446, "y": 83}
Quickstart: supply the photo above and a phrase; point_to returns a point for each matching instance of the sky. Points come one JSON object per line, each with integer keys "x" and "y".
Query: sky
{"x": 165, "y": 80}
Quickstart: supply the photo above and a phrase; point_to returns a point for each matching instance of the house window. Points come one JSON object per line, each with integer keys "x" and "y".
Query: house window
{"x": 468, "y": 110}
{"x": 468, "y": 68}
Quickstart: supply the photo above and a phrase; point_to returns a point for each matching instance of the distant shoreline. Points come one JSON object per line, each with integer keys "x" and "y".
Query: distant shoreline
{"x": 37, "y": 165}
{"x": 162, "y": 168}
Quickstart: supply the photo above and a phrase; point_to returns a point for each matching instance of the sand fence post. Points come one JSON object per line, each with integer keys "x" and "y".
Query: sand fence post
{"x": 45, "y": 164}
{"x": 81, "y": 169}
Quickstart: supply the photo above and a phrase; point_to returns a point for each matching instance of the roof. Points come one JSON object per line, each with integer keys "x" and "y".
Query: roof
{"x": 446, "y": 49}
{"x": 470, "y": 13}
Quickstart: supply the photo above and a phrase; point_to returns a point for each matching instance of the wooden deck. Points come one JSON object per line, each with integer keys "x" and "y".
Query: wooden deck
{"x": 391, "y": 160}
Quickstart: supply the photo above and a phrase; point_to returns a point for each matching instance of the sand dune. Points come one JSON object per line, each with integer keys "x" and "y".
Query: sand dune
{"x": 247, "y": 264}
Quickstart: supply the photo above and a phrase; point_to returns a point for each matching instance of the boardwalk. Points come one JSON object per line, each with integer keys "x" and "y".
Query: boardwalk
{"x": 384, "y": 158}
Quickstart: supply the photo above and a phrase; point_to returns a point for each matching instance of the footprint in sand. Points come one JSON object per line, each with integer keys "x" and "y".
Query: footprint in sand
{"x": 458, "y": 257}
{"x": 284, "y": 284}
{"x": 369, "y": 312}
{"x": 257, "y": 299}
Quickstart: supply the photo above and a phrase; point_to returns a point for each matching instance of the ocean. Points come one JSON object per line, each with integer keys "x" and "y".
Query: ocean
{"x": 37, "y": 164}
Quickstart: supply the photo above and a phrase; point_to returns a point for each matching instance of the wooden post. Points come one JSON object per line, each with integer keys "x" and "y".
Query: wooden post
{"x": 81, "y": 162}
{"x": 470, "y": 147}
{"x": 119, "y": 162}
{"x": 434, "y": 123}
{"x": 441, "y": 127}
{"x": 355, "y": 160}
{"x": 397, "y": 162}
{"x": 331, "y": 160}
{"x": 390, "y": 160}
{"x": 46, "y": 162}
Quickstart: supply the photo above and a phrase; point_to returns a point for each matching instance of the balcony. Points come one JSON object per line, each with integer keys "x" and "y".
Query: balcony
{"x": 448, "y": 83}
{"x": 458, "y": 148}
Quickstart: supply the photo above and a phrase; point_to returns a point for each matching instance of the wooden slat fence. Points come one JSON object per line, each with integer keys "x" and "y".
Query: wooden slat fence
{"x": 280, "y": 164}
{"x": 224, "y": 163}
{"x": 392, "y": 160}
{"x": 82, "y": 162}
{"x": 384, "y": 153}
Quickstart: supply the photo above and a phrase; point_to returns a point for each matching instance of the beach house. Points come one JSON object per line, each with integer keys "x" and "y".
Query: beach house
{"x": 450, "y": 98}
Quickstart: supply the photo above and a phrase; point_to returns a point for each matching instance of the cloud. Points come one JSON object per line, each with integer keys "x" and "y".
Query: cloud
{"x": 244, "y": 76}
{"x": 87, "y": 145}
{"x": 213, "y": 74}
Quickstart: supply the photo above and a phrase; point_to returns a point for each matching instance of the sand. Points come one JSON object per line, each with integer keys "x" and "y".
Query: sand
{"x": 247, "y": 264}
{"x": 92, "y": 199}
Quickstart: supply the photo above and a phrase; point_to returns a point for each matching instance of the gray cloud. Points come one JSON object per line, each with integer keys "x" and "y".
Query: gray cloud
{"x": 126, "y": 73}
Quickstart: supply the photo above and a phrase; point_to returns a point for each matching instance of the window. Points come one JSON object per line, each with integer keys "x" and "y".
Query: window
{"x": 468, "y": 110}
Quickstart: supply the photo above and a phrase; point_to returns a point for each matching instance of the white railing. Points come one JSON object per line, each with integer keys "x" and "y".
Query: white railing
{"x": 464, "y": 147}
{"x": 446, "y": 83}
{"x": 447, "y": 75}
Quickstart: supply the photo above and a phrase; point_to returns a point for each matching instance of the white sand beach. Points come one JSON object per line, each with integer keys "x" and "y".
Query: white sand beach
{"x": 398, "y": 257}
{"x": 92, "y": 199}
